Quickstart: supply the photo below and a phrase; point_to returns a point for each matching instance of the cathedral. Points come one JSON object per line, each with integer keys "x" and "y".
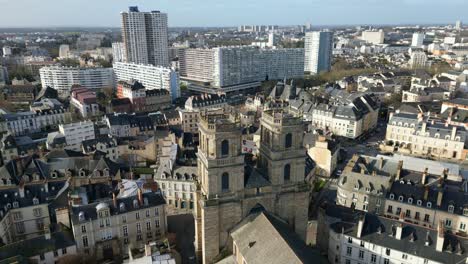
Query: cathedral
{"x": 229, "y": 189}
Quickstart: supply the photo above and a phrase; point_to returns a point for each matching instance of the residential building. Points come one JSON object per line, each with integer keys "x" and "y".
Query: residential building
{"x": 135, "y": 92}
{"x": 157, "y": 99}
{"x": 152, "y": 77}
{"x": 455, "y": 112}
{"x": 229, "y": 69}
{"x": 425, "y": 94}
{"x": 105, "y": 145}
{"x": 63, "y": 78}
{"x": 76, "y": 133}
{"x": 417, "y": 135}
{"x": 85, "y": 102}
{"x": 21, "y": 123}
{"x": 109, "y": 226}
{"x": 3, "y": 75}
{"x": 374, "y": 37}
{"x": 458, "y": 25}
{"x": 370, "y": 238}
{"x": 318, "y": 51}
{"x": 20, "y": 94}
{"x": 129, "y": 125}
{"x": 418, "y": 60}
{"x": 145, "y": 37}
{"x": 118, "y": 52}
{"x": 324, "y": 152}
{"x": 417, "y": 40}
{"x": 64, "y": 50}
{"x": 190, "y": 115}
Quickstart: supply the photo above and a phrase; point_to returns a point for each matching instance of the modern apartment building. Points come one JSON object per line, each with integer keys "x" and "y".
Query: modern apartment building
{"x": 235, "y": 68}
{"x": 76, "y": 133}
{"x": 63, "y": 78}
{"x": 318, "y": 51}
{"x": 417, "y": 40}
{"x": 373, "y": 37}
{"x": 418, "y": 60}
{"x": 152, "y": 77}
{"x": 118, "y": 52}
{"x": 145, "y": 37}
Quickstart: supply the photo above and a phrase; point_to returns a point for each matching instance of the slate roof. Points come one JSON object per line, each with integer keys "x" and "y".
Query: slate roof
{"x": 413, "y": 239}
{"x": 264, "y": 238}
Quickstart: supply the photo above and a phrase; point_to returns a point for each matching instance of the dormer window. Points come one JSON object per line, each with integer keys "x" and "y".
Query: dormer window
{"x": 400, "y": 198}
{"x": 429, "y": 205}
{"x": 82, "y": 173}
{"x": 465, "y": 211}
{"x": 145, "y": 201}
{"x": 135, "y": 203}
{"x": 451, "y": 208}
{"x": 81, "y": 216}
{"x": 35, "y": 201}
{"x": 54, "y": 174}
{"x": 122, "y": 207}
{"x": 410, "y": 200}
{"x": 419, "y": 202}
{"x": 392, "y": 196}
{"x": 15, "y": 204}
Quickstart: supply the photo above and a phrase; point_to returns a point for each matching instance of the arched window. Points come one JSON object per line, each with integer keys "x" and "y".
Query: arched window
{"x": 225, "y": 182}
{"x": 288, "y": 141}
{"x": 287, "y": 173}
{"x": 225, "y": 147}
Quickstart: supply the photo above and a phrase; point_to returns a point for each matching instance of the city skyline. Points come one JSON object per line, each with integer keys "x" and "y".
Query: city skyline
{"x": 182, "y": 13}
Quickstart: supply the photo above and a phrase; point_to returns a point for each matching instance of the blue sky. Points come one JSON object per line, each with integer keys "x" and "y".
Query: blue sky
{"x": 38, "y": 13}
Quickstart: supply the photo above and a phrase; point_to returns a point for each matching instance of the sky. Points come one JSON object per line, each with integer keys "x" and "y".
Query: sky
{"x": 99, "y": 13}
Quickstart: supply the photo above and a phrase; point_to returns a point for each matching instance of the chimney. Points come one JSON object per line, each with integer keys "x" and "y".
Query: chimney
{"x": 381, "y": 161}
{"x": 363, "y": 171}
{"x": 440, "y": 195}
{"x": 21, "y": 189}
{"x": 423, "y": 128}
{"x": 445, "y": 173}
{"x": 148, "y": 250}
{"x": 360, "y": 225}
{"x": 140, "y": 197}
{"x": 454, "y": 132}
{"x": 46, "y": 187}
{"x": 399, "y": 231}
{"x": 424, "y": 176}
{"x": 114, "y": 200}
{"x": 390, "y": 115}
{"x": 401, "y": 217}
{"x": 426, "y": 193}
{"x": 440, "y": 237}
{"x": 398, "y": 172}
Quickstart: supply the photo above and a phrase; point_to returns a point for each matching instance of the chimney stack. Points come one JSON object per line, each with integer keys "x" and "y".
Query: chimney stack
{"x": 360, "y": 225}
{"x": 426, "y": 193}
{"x": 445, "y": 173}
{"x": 440, "y": 237}
{"x": 381, "y": 162}
{"x": 454, "y": 132}
{"x": 148, "y": 250}
{"x": 440, "y": 195}
{"x": 399, "y": 231}
{"x": 114, "y": 200}
{"x": 140, "y": 197}
{"x": 424, "y": 176}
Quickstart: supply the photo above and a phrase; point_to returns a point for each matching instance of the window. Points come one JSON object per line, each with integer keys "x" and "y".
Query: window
{"x": 42, "y": 257}
{"x": 125, "y": 230}
{"x": 55, "y": 253}
{"x": 138, "y": 237}
{"x": 64, "y": 251}
{"x": 85, "y": 241}
{"x": 147, "y": 213}
{"x": 20, "y": 227}
{"x": 408, "y": 213}
{"x": 37, "y": 212}
{"x": 451, "y": 208}
{"x": 419, "y": 202}
{"x": 404, "y": 256}
{"x": 225, "y": 182}
{"x": 288, "y": 140}
{"x": 156, "y": 223}
{"x": 462, "y": 226}
{"x": 350, "y": 240}
{"x": 148, "y": 226}
{"x": 137, "y": 215}
{"x": 17, "y": 216}
{"x": 448, "y": 222}
{"x": 348, "y": 261}
{"x": 387, "y": 252}
{"x": 362, "y": 243}
{"x": 373, "y": 258}
{"x": 138, "y": 228}
{"x": 426, "y": 218}
{"x": 398, "y": 211}
{"x": 390, "y": 209}
{"x": 124, "y": 219}
{"x": 392, "y": 196}
{"x": 107, "y": 222}
{"x": 83, "y": 229}
{"x": 429, "y": 204}
{"x": 410, "y": 200}
{"x": 400, "y": 198}
{"x": 349, "y": 251}
{"x": 416, "y": 216}
{"x": 225, "y": 147}
{"x": 386, "y": 261}
{"x": 287, "y": 173}
{"x": 156, "y": 211}
{"x": 361, "y": 254}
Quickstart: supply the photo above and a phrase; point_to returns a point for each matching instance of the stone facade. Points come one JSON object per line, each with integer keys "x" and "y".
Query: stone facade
{"x": 228, "y": 192}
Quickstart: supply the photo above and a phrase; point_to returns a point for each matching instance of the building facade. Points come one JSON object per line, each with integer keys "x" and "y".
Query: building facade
{"x": 318, "y": 51}
{"x": 76, "y": 133}
{"x": 145, "y": 37}
{"x": 63, "y": 78}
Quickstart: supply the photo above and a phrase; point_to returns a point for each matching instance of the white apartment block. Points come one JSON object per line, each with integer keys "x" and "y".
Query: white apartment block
{"x": 63, "y": 78}
{"x": 418, "y": 60}
{"x": 418, "y": 39}
{"x": 145, "y": 37}
{"x": 374, "y": 37}
{"x": 152, "y": 77}
{"x": 118, "y": 52}
{"x": 318, "y": 51}
{"x": 76, "y": 133}
{"x": 233, "y": 66}
{"x": 22, "y": 123}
